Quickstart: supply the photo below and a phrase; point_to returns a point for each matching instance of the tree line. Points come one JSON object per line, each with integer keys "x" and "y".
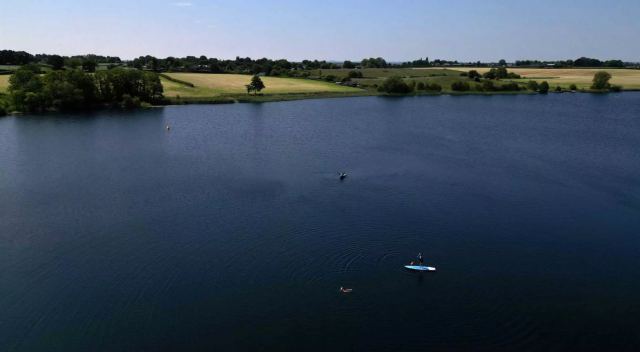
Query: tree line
{"x": 580, "y": 62}
{"x": 10, "y": 57}
{"x": 265, "y": 66}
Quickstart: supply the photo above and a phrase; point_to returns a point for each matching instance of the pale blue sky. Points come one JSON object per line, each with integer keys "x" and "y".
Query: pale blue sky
{"x": 333, "y": 30}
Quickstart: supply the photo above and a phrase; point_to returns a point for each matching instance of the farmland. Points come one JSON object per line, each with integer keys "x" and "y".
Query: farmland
{"x": 233, "y": 86}
{"x": 564, "y": 77}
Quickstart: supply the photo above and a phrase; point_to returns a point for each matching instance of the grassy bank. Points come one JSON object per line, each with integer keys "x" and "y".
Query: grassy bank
{"x": 262, "y": 98}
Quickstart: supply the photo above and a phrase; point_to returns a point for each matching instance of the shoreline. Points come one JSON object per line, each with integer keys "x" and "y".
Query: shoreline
{"x": 238, "y": 99}
{"x": 274, "y": 98}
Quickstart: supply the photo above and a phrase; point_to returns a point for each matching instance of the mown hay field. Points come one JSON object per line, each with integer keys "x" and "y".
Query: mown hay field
{"x": 581, "y": 77}
{"x": 210, "y": 85}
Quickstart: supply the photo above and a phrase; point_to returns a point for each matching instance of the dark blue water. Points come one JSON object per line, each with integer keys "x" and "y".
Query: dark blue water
{"x": 232, "y": 231}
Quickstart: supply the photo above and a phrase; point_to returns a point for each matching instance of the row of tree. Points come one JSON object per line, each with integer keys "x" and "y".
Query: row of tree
{"x": 580, "y": 62}
{"x": 30, "y": 91}
{"x": 493, "y": 73}
{"x": 10, "y": 57}
{"x": 265, "y": 66}
{"x": 438, "y": 62}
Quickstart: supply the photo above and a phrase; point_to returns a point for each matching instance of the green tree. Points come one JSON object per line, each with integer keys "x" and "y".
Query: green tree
{"x": 501, "y": 72}
{"x": 4, "y": 104}
{"x": 488, "y": 86}
{"x": 73, "y": 62}
{"x": 532, "y": 85}
{"x": 498, "y": 73}
{"x": 601, "y": 80}
{"x": 56, "y": 62}
{"x": 89, "y": 65}
{"x": 355, "y": 74}
{"x": 255, "y": 85}
{"x": 473, "y": 74}
{"x": 348, "y": 64}
{"x": 68, "y": 90}
{"x": 573, "y": 87}
{"x": 377, "y": 62}
{"x": 395, "y": 85}
{"x": 25, "y": 90}
{"x": 543, "y": 88}
{"x": 112, "y": 85}
{"x": 434, "y": 87}
{"x": 76, "y": 89}
{"x": 491, "y": 74}
{"x": 510, "y": 87}
{"x": 460, "y": 86}
{"x": 330, "y": 78}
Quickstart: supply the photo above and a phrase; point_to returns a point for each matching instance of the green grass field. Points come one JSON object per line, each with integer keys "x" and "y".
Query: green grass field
{"x": 216, "y": 85}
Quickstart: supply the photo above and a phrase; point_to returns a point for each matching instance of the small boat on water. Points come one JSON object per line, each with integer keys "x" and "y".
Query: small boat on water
{"x": 343, "y": 175}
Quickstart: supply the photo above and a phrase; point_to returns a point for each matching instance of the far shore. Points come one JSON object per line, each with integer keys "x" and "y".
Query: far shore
{"x": 178, "y": 88}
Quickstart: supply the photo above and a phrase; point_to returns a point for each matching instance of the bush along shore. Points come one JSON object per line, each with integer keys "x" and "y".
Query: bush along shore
{"x": 74, "y": 89}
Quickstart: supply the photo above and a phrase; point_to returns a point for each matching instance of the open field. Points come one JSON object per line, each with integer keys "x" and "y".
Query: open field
{"x": 564, "y": 77}
{"x": 211, "y": 85}
{"x": 4, "y": 83}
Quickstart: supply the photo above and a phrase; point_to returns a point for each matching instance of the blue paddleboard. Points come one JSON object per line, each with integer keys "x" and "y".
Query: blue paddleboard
{"x": 420, "y": 267}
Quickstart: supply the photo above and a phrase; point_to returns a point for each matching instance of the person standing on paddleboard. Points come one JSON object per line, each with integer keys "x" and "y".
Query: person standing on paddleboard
{"x": 420, "y": 259}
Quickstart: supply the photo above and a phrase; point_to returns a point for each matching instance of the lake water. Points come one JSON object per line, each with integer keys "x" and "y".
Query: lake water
{"x": 232, "y": 231}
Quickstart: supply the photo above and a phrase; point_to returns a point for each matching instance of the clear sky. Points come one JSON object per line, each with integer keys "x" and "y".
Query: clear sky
{"x": 398, "y": 30}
